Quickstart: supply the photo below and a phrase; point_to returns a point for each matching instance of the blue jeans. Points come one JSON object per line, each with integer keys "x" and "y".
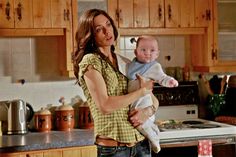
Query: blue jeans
{"x": 141, "y": 149}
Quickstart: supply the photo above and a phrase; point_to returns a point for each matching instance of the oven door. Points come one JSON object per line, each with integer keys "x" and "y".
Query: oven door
{"x": 188, "y": 147}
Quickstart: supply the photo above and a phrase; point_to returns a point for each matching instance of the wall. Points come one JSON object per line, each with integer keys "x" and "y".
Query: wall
{"x": 36, "y": 61}
{"x": 176, "y": 47}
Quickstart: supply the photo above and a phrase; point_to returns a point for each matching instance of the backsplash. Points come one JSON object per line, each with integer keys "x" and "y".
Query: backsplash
{"x": 175, "y": 47}
{"x": 29, "y": 58}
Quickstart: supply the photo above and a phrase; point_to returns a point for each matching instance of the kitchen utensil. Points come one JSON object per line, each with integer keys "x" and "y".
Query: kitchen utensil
{"x": 19, "y": 113}
{"x": 43, "y": 120}
{"x": 230, "y": 109}
{"x": 65, "y": 117}
{"x": 223, "y": 85}
{"x": 207, "y": 85}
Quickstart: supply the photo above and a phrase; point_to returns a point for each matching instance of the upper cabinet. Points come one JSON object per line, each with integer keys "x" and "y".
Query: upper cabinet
{"x": 35, "y": 14}
{"x": 41, "y": 13}
{"x": 159, "y": 13}
{"x": 203, "y": 13}
{"x": 16, "y": 14}
{"x": 61, "y": 14}
{"x": 205, "y": 48}
{"x": 42, "y": 18}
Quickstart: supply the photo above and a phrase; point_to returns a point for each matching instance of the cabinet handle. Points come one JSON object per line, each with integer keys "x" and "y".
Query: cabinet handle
{"x": 7, "y": 11}
{"x": 19, "y": 11}
{"x": 208, "y": 14}
{"x": 169, "y": 12}
{"x": 120, "y": 15}
{"x": 117, "y": 15}
{"x": 159, "y": 12}
{"x": 214, "y": 54}
{"x": 66, "y": 15}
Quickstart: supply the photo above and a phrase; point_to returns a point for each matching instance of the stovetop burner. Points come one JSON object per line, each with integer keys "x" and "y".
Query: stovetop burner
{"x": 204, "y": 126}
{"x": 192, "y": 122}
{"x": 170, "y": 125}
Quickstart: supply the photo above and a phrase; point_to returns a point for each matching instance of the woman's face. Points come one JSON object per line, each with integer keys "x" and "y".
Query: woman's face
{"x": 103, "y": 31}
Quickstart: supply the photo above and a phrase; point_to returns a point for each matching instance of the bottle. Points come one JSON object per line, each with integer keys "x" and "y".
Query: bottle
{"x": 186, "y": 73}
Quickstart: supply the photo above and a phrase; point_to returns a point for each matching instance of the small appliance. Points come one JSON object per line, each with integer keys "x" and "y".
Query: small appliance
{"x": 19, "y": 113}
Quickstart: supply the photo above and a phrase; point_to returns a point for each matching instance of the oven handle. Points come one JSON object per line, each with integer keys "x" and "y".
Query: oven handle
{"x": 221, "y": 141}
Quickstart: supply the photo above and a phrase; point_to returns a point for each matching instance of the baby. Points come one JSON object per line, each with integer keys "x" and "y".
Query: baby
{"x": 145, "y": 64}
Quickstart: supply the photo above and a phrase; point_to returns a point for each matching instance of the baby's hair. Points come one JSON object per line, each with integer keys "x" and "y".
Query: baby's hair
{"x": 133, "y": 40}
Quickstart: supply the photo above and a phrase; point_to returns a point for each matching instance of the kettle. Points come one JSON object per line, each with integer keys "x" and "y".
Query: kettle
{"x": 18, "y": 114}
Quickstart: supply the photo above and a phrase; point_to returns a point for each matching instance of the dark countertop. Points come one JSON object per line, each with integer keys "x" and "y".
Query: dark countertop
{"x": 51, "y": 140}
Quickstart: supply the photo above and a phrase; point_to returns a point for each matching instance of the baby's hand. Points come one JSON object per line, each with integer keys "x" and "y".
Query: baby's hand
{"x": 173, "y": 83}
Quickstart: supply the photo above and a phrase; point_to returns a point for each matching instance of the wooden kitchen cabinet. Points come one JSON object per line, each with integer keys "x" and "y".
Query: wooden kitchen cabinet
{"x": 88, "y": 151}
{"x": 41, "y": 13}
{"x": 29, "y": 18}
{"x": 204, "y": 48}
{"x": 85, "y": 151}
{"x": 153, "y": 13}
{"x": 16, "y": 14}
{"x": 61, "y": 13}
{"x": 203, "y": 13}
{"x": 35, "y": 14}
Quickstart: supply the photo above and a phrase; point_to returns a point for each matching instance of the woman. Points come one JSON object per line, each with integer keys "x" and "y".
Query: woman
{"x": 105, "y": 87}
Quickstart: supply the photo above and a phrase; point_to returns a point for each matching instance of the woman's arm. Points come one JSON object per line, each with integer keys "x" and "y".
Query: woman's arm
{"x": 140, "y": 115}
{"x": 107, "y": 104}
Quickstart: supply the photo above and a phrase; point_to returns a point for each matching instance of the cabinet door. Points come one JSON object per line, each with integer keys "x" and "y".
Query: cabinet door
{"x": 172, "y": 13}
{"x": 6, "y": 14}
{"x": 203, "y": 13}
{"x": 156, "y": 13}
{"x": 57, "y": 153}
{"x": 125, "y": 14}
{"x": 34, "y": 155}
{"x": 23, "y": 14}
{"x": 23, "y": 154}
{"x": 113, "y": 11}
{"x": 87, "y": 151}
{"x": 141, "y": 13}
{"x": 187, "y": 13}
{"x": 61, "y": 13}
{"x": 41, "y": 13}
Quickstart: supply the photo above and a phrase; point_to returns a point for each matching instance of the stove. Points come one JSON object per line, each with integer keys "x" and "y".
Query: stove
{"x": 177, "y": 118}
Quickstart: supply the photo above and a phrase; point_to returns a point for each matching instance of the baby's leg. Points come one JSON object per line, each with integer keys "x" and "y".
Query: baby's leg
{"x": 151, "y": 131}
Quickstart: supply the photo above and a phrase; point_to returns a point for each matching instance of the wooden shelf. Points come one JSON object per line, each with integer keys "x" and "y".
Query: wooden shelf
{"x": 161, "y": 31}
{"x": 27, "y": 32}
{"x": 228, "y": 68}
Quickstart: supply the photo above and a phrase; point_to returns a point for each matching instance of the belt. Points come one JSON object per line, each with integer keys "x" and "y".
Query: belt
{"x": 112, "y": 143}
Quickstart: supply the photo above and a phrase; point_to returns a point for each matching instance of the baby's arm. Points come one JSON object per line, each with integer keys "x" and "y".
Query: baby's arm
{"x": 156, "y": 73}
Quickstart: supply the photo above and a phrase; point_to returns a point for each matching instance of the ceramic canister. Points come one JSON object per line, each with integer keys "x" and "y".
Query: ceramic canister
{"x": 43, "y": 120}
{"x": 65, "y": 118}
{"x": 85, "y": 117}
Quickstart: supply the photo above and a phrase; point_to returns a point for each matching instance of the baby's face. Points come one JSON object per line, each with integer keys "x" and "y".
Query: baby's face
{"x": 147, "y": 50}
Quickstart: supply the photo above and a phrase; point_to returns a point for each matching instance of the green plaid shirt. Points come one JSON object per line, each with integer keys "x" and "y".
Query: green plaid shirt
{"x": 116, "y": 124}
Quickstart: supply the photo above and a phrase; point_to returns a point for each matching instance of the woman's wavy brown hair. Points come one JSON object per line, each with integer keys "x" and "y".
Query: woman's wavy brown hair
{"x": 85, "y": 36}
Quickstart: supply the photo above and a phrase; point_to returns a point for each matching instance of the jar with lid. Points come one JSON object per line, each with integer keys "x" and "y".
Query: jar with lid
{"x": 85, "y": 117}
{"x": 64, "y": 117}
{"x": 43, "y": 120}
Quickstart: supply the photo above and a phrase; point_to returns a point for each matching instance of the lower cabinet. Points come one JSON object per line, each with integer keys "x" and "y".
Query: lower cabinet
{"x": 86, "y": 151}
{"x": 89, "y": 151}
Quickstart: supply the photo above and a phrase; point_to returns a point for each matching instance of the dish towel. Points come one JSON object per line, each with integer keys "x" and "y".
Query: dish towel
{"x": 204, "y": 148}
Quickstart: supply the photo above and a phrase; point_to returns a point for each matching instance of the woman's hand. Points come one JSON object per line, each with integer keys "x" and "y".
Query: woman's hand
{"x": 139, "y": 116}
{"x": 146, "y": 85}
